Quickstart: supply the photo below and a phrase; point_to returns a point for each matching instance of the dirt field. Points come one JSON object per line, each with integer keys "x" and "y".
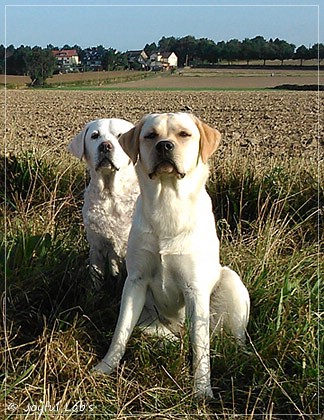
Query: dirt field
{"x": 220, "y": 79}
{"x": 263, "y": 123}
{"x": 183, "y": 79}
{"x": 269, "y": 225}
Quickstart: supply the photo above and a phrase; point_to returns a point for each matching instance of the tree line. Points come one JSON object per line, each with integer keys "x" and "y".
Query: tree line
{"x": 201, "y": 51}
{"x": 39, "y": 63}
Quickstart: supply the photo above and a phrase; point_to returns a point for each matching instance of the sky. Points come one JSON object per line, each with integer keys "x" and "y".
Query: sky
{"x": 130, "y": 25}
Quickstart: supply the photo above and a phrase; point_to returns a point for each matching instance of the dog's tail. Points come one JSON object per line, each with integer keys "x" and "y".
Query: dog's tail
{"x": 230, "y": 305}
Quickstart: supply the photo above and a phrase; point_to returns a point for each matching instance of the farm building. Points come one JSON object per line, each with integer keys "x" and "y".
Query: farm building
{"x": 92, "y": 58}
{"x": 66, "y": 58}
{"x": 163, "y": 61}
{"x": 157, "y": 61}
{"x": 137, "y": 58}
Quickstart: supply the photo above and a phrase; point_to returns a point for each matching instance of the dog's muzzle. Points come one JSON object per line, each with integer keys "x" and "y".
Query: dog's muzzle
{"x": 105, "y": 152}
{"x": 165, "y": 162}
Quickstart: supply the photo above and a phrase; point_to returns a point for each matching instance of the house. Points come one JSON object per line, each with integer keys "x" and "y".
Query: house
{"x": 66, "y": 58}
{"x": 92, "y": 58}
{"x": 137, "y": 59}
{"x": 163, "y": 61}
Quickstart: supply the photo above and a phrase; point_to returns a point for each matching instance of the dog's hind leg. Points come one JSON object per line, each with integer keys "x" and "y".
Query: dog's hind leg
{"x": 230, "y": 305}
{"x": 97, "y": 262}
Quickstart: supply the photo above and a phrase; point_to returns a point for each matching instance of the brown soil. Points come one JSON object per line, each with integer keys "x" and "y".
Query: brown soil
{"x": 261, "y": 123}
{"x": 221, "y": 80}
{"x": 184, "y": 79}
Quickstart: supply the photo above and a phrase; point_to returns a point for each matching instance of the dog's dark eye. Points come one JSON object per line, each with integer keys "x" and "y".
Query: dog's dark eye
{"x": 95, "y": 135}
{"x": 184, "y": 134}
{"x": 151, "y": 135}
{"x": 119, "y": 135}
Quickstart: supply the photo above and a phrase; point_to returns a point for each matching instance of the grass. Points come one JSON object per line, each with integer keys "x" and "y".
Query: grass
{"x": 89, "y": 79}
{"x": 103, "y": 80}
{"x": 159, "y": 89}
{"x": 87, "y": 82}
{"x": 56, "y": 328}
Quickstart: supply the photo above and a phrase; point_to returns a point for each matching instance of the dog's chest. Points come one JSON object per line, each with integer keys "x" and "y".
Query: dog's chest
{"x": 171, "y": 223}
{"x": 168, "y": 283}
{"x": 104, "y": 216}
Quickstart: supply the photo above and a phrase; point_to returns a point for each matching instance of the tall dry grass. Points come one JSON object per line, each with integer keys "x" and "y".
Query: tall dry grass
{"x": 55, "y": 328}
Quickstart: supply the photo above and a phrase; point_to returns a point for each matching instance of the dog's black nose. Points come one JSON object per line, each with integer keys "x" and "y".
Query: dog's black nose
{"x": 164, "y": 147}
{"x": 105, "y": 146}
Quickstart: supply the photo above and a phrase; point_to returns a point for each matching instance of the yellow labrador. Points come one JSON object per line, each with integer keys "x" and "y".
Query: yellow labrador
{"x": 172, "y": 258}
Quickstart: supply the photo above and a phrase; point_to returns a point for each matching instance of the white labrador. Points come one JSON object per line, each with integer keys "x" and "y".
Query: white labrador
{"x": 172, "y": 259}
{"x": 110, "y": 197}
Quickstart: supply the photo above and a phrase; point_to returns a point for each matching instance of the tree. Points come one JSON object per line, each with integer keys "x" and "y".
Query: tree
{"x": 302, "y": 53}
{"x": 206, "y": 50}
{"x": 232, "y": 50}
{"x": 2, "y": 58}
{"x": 317, "y": 52}
{"x": 221, "y": 47}
{"x": 7, "y": 53}
{"x": 185, "y": 48}
{"x": 247, "y": 50}
{"x": 17, "y": 61}
{"x": 108, "y": 59}
{"x": 10, "y": 50}
{"x": 122, "y": 62}
{"x": 167, "y": 44}
{"x": 284, "y": 50}
{"x": 51, "y": 47}
{"x": 40, "y": 65}
{"x": 113, "y": 60}
{"x": 150, "y": 48}
{"x": 259, "y": 46}
{"x": 269, "y": 52}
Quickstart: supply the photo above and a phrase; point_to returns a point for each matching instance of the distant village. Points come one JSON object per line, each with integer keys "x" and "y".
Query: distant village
{"x": 169, "y": 54}
{"x": 92, "y": 60}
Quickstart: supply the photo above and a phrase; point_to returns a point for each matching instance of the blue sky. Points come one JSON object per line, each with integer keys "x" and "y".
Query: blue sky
{"x": 127, "y": 25}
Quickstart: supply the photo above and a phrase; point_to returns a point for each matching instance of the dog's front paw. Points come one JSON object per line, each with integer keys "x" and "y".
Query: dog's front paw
{"x": 102, "y": 368}
{"x": 204, "y": 393}
{"x": 97, "y": 277}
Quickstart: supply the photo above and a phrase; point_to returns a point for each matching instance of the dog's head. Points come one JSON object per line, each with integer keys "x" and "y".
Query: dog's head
{"x": 98, "y": 144}
{"x": 170, "y": 144}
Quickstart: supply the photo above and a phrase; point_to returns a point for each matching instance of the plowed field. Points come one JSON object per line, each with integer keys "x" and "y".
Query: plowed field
{"x": 262, "y": 123}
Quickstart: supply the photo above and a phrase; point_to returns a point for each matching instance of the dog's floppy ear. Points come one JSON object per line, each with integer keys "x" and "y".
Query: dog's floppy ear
{"x": 76, "y": 147}
{"x": 209, "y": 140}
{"x": 129, "y": 141}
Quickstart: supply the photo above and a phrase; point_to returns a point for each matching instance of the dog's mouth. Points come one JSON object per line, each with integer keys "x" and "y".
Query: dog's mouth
{"x": 106, "y": 163}
{"x": 166, "y": 167}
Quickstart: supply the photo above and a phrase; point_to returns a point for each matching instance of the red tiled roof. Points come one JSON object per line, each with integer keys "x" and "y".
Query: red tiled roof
{"x": 64, "y": 53}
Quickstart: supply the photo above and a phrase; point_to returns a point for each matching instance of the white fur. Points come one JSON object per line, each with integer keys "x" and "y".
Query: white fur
{"x": 173, "y": 250}
{"x": 110, "y": 197}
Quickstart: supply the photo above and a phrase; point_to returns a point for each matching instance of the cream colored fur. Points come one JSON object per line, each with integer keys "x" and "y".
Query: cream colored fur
{"x": 110, "y": 197}
{"x": 174, "y": 272}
